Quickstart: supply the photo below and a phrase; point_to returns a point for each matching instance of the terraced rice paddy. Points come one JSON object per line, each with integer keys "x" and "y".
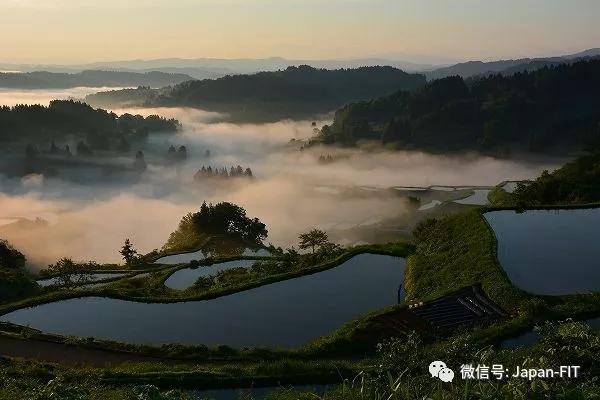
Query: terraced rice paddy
{"x": 549, "y": 252}
{"x": 283, "y": 314}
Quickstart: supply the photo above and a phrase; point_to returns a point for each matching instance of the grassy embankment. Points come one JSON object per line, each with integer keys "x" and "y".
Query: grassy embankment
{"x": 462, "y": 250}
{"x": 37, "y": 381}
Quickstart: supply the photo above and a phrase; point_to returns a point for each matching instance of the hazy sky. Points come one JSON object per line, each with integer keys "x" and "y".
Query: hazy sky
{"x": 66, "y": 31}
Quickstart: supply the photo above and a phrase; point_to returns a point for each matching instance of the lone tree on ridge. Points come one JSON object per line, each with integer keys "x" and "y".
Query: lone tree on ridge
{"x": 312, "y": 239}
{"x": 128, "y": 252}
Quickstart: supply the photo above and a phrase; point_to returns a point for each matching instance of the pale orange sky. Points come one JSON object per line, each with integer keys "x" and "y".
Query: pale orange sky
{"x": 74, "y": 31}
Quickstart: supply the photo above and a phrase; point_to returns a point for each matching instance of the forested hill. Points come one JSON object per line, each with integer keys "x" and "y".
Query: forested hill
{"x": 91, "y": 78}
{"x": 575, "y": 183}
{"x": 555, "y": 106}
{"x": 39, "y": 124}
{"x": 295, "y": 92}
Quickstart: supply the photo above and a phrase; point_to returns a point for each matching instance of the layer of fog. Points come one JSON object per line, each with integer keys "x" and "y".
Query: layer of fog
{"x": 12, "y": 97}
{"x": 292, "y": 192}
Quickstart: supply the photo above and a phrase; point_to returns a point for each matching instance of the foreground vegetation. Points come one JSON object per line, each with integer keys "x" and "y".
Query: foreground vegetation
{"x": 401, "y": 372}
{"x": 398, "y": 372}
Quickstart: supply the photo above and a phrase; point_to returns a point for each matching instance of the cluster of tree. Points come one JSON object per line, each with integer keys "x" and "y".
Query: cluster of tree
{"x": 326, "y": 159}
{"x": 82, "y": 150}
{"x": 68, "y": 273}
{"x": 225, "y": 219}
{"x": 140, "y": 96}
{"x": 554, "y": 107}
{"x": 577, "y": 182}
{"x": 89, "y": 78}
{"x": 14, "y": 279}
{"x": 239, "y": 275}
{"x": 317, "y": 241}
{"x": 68, "y": 266}
{"x": 177, "y": 155}
{"x": 329, "y": 158}
{"x": 291, "y": 93}
{"x": 222, "y": 173}
{"x": 55, "y": 150}
{"x": 99, "y": 128}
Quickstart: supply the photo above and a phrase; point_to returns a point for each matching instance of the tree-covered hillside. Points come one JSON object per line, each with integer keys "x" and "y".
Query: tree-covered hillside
{"x": 292, "y": 93}
{"x": 554, "y": 107}
{"x": 66, "y": 117}
{"x": 577, "y": 182}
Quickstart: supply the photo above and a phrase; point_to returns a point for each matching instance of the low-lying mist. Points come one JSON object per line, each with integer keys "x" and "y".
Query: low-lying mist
{"x": 12, "y": 97}
{"x": 293, "y": 189}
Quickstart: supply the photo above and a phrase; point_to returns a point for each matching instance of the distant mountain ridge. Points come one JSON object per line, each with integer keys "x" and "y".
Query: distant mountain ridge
{"x": 213, "y": 68}
{"x": 506, "y": 67}
{"x": 595, "y": 52}
{"x": 88, "y": 78}
{"x": 296, "y": 92}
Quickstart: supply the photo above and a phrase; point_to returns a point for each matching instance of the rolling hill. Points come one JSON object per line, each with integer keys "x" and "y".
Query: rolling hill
{"x": 296, "y": 92}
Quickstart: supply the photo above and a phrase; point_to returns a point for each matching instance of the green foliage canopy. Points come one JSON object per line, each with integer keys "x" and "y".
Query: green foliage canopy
{"x": 223, "y": 219}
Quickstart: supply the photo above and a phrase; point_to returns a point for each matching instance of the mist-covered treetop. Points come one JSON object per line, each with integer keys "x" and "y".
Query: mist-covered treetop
{"x": 69, "y": 117}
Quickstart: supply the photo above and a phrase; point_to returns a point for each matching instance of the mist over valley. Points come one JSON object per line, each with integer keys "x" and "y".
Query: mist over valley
{"x": 285, "y": 200}
{"x": 92, "y": 202}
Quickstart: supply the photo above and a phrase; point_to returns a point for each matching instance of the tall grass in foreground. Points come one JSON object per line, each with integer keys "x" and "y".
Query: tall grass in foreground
{"x": 402, "y": 373}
